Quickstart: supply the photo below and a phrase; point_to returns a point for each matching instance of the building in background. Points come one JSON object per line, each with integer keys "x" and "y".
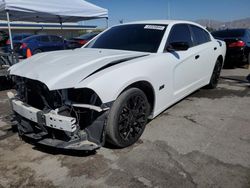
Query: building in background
{"x": 67, "y": 30}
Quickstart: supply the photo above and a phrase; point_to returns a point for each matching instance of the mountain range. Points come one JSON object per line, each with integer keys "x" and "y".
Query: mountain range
{"x": 214, "y": 24}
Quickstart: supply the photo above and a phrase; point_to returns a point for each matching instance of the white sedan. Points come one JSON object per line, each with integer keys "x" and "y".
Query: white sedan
{"x": 107, "y": 90}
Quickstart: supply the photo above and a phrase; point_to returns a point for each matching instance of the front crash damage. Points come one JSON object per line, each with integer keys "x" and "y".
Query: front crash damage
{"x": 67, "y": 119}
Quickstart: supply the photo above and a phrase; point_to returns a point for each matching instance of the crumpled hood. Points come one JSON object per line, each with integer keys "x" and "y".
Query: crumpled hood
{"x": 65, "y": 69}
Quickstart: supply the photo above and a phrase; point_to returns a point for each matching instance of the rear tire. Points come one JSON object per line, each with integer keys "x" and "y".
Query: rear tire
{"x": 37, "y": 51}
{"x": 215, "y": 75}
{"x": 248, "y": 61}
{"x": 127, "y": 118}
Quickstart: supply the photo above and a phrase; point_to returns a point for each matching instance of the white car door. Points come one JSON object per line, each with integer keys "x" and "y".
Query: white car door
{"x": 186, "y": 69}
{"x": 205, "y": 48}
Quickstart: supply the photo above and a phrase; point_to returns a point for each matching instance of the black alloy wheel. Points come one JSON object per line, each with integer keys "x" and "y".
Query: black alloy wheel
{"x": 128, "y": 118}
{"x": 215, "y": 75}
{"x": 248, "y": 61}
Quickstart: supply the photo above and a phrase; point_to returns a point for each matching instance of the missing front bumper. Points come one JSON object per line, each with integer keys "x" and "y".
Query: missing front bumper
{"x": 78, "y": 144}
{"x": 50, "y": 119}
{"x": 54, "y": 130}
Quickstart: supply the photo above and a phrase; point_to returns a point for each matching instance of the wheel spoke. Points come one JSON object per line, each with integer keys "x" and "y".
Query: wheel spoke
{"x": 132, "y": 118}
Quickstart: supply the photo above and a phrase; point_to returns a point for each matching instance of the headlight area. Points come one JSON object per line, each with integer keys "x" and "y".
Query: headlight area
{"x": 69, "y": 119}
{"x": 89, "y": 111}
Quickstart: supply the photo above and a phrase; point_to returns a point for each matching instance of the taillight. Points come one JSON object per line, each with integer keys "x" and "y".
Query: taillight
{"x": 8, "y": 42}
{"x": 23, "y": 45}
{"x": 237, "y": 44}
{"x": 82, "y": 42}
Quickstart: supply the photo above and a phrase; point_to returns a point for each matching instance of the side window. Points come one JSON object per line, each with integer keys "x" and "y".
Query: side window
{"x": 43, "y": 39}
{"x": 56, "y": 39}
{"x": 17, "y": 38}
{"x": 200, "y": 36}
{"x": 180, "y": 33}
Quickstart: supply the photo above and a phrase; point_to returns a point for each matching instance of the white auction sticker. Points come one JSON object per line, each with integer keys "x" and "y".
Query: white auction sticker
{"x": 156, "y": 27}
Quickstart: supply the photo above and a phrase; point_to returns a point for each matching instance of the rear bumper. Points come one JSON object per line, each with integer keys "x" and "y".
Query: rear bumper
{"x": 237, "y": 54}
{"x": 54, "y": 130}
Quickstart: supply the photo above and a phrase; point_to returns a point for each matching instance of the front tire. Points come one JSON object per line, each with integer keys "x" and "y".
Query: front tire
{"x": 215, "y": 75}
{"x": 127, "y": 118}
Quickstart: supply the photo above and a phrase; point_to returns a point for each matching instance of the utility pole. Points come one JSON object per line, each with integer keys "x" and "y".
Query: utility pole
{"x": 169, "y": 9}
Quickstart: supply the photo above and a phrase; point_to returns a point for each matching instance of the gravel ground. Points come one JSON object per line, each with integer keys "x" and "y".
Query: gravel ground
{"x": 203, "y": 141}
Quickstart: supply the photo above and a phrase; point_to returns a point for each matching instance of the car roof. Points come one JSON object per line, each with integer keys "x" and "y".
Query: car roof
{"x": 229, "y": 33}
{"x": 22, "y": 34}
{"x": 91, "y": 33}
{"x": 86, "y": 35}
{"x": 164, "y": 22}
{"x": 40, "y": 35}
{"x": 233, "y": 29}
{"x": 35, "y": 36}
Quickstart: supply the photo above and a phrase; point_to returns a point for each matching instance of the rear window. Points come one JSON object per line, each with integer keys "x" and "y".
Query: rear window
{"x": 229, "y": 33}
{"x": 200, "y": 35}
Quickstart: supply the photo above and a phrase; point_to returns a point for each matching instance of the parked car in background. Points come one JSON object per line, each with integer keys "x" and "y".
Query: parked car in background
{"x": 238, "y": 45}
{"x": 248, "y": 78}
{"x": 16, "y": 39}
{"x": 107, "y": 91}
{"x": 40, "y": 43}
{"x": 3, "y": 38}
{"x": 78, "y": 42}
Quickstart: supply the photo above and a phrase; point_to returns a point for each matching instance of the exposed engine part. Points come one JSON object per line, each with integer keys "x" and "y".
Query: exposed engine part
{"x": 64, "y": 116}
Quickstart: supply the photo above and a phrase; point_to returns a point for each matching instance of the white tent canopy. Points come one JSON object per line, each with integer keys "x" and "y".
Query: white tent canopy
{"x": 49, "y": 11}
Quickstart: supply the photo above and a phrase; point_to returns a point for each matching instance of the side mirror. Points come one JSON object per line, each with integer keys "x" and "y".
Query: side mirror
{"x": 177, "y": 46}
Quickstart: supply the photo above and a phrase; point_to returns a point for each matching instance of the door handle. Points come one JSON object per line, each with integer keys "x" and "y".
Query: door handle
{"x": 197, "y": 57}
{"x": 215, "y": 48}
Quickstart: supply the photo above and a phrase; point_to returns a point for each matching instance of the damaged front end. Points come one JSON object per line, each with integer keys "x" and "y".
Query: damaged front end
{"x": 69, "y": 119}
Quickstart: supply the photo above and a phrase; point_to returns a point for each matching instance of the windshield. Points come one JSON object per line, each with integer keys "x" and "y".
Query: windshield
{"x": 134, "y": 37}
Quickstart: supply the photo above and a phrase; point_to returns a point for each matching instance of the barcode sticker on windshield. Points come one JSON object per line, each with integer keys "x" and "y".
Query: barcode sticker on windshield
{"x": 156, "y": 27}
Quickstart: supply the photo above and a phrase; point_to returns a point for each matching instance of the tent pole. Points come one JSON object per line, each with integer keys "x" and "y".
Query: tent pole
{"x": 10, "y": 34}
{"x": 60, "y": 21}
{"x": 107, "y": 22}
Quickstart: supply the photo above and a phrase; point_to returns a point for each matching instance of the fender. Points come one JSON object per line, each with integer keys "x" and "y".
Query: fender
{"x": 109, "y": 83}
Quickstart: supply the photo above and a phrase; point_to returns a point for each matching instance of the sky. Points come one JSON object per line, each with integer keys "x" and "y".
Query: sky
{"x": 134, "y": 10}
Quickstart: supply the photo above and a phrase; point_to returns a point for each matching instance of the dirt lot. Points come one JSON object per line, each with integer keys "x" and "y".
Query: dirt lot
{"x": 203, "y": 141}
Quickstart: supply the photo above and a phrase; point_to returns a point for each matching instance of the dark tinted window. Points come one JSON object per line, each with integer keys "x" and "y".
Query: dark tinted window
{"x": 25, "y": 36}
{"x": 20, "y": 37}
{"x": 229, "y": 33}
{"x": 55, "y": 39}
{"x": 200, "y": 35}
{"x": 43, "y": 39}
{"x": 180, "y": 33}
{"x": 134, "y": 37}
{"x": 17, "y": 37}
